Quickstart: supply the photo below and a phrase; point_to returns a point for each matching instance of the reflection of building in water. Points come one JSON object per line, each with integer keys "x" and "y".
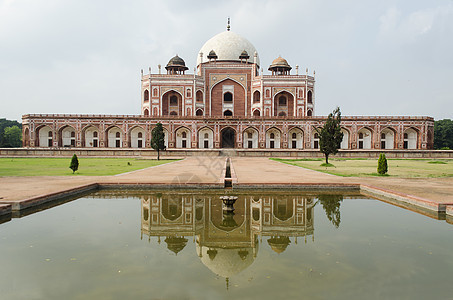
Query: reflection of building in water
{"x": 171, "y": 216}
{"x": 226, "y": 243}
{"x": 281, "y": 218}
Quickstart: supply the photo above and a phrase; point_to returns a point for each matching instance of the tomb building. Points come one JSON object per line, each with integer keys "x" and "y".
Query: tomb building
{"x": 227, "y": 102}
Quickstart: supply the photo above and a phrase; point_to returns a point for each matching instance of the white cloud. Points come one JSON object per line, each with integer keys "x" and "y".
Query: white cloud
{"x": 399, "y": 28}
{"x": 84, "y": 56}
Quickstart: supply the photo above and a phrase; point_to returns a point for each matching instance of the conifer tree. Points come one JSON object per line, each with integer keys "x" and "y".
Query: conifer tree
{"x": 74, "y": 166}
{"x": 382, "y": 164}
{"x": 158, "y": 139}
{"x": 330, "y": 135}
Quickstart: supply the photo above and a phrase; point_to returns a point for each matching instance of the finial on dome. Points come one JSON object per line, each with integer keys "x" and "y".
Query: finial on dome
{"x": 228, "y": 26}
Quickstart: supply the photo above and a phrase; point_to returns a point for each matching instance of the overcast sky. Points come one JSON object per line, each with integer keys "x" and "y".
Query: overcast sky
{"x": 382, "y": 57}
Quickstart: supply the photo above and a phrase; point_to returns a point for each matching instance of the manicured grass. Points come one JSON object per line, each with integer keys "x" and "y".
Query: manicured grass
{"x": 87, "y": 166}
{"x": 404, "y": 168}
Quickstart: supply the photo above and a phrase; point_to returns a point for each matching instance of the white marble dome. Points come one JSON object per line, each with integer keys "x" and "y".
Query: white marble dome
{"x": 227, "y": 261}
{"x": 228, "y": 46}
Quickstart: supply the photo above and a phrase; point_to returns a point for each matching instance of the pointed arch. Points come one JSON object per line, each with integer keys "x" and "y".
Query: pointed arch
{"x": 90, "y": 136}
{"x": 199, "y": 112}
{"x": 345, "y": 141}
{"x": 310, "y": 97}
{"x": 183, "y": 137}
{"x": 285, "y": 90}
{"x": 364, "y": 138}
{"x": 295, "y": 138}
{"x": 315, "y": 139}
{"x": 137, "y": 136}
{"x": 256, "y": 96}
{"x": 66, "y": 136}
{"x": 250, "y": 137}
{"x": 206, "y": 138}
{"x": 114, "y": 136}
{"x": 283, "y": 209}
{"x": 172, "y": 102}
{"x": 44, "y": 136}
{"x": 411, "y": 137}
{"x": 171, "y": 207}
{"x": 273, "y": 138}
{"x": 224, "y": 87}
{"x": 387, "y": 138}
{"x": 283, "y": 103}
{"x": 26, "y": 139}
{"x": 228, "y": 137}
{"x": 199, "y": 96}
{"x": 227, "y": 78}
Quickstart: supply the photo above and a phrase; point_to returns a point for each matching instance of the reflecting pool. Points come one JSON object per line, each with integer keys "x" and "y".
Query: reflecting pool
{"x": 183, "y": 245}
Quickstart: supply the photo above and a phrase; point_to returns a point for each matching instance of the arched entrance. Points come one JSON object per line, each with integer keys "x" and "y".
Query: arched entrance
{"x": 228, "y": 138}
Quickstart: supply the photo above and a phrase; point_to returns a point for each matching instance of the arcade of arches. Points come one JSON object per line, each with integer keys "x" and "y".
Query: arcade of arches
{"x": 244, "y": 134}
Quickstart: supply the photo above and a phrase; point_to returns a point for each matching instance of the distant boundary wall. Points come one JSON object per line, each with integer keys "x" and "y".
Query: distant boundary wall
{"x": 150, "y": 153}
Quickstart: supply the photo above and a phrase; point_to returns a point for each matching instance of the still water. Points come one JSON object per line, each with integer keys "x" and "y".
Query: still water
{"x": 181, "y": 245}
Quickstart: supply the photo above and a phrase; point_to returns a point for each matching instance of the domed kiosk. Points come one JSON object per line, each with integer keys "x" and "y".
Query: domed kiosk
{"x": 176, "y": 65}
{"x": 280, "y": 66}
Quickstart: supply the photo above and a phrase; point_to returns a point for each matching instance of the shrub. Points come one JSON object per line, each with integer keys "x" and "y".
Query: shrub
{"x": 74, "y": 166}
{"x": 382, "y": 164}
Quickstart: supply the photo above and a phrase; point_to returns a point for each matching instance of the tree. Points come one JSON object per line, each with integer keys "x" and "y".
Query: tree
{"x": 7, "y": 123}
{"x": 330, "y": 135}
{"x": 158, "y": 139}
{"x": 74, "y": 166}
{"x": 331, "y": 205}
{"x": 12, "y": 137}
{"x": 382, "y": 167}
{"x": 443, "y": 134}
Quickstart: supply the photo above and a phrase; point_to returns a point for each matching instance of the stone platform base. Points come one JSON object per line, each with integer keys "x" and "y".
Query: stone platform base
{"x": 118, "y": 152}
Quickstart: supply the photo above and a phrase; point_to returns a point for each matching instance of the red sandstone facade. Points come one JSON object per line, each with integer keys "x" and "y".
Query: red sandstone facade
{"x": 227, "y": 103}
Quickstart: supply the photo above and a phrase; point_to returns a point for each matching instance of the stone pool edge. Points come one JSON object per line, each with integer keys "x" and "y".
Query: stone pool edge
{"x": 424, "y": 206}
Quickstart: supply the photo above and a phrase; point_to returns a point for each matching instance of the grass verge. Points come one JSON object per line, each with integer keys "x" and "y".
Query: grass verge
{"x": 404, "y": 168}
{"x": 59, "y": 166}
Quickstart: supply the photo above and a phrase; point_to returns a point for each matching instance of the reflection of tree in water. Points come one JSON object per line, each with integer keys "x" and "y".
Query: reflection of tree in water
{"x": 331, "y": 205}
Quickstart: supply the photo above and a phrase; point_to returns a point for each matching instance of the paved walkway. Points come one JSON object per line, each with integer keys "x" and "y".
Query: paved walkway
{"x": 259, "y": 169}
{"x": 20, "y": 188}
{"x": 208, "y": 170}
{"x": 251, "y": 170}
{"x": 204, "y": 170}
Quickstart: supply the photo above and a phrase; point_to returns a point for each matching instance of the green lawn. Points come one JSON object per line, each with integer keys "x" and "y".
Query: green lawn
{"x": 87, "y": 166}
{"x": 404, "y": 168}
